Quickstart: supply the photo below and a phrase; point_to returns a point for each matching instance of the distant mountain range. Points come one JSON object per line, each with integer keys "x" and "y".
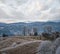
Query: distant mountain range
{"x": 17, "y": 28}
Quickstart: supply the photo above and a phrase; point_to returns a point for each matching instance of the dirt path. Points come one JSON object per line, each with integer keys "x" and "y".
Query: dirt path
{"x": 22, "y": 44}
{"x": 29, "y": 47}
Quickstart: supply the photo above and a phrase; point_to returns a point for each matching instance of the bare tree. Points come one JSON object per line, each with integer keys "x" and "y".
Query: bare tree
{"x": 24, "y": 30}
{"x": 48, "y": 29}
{"x": 48, "y": 32}
{"x": 28, "y": 31}
{"x": 35, "y": 31}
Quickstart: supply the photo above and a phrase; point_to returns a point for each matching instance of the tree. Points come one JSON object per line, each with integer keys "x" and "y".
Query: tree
{"x": 28, "y": 31}
{"x": 35, "y": 31}
{"x": 24, "y": 30}
{"x": 57, "y": 34}
{"x": 48, "y": 36}
{"x": 4, "y": 35}
{"x": 48, "y": 29}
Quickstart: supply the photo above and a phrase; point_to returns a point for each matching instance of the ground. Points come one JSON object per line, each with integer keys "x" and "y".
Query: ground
{"x": 19, "y": 45}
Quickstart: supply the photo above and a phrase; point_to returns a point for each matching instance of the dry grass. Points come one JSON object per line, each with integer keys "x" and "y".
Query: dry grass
{"x": 25, "y": 49}
{"x": 9, "y": 41}
{"x": 31, "y": 37}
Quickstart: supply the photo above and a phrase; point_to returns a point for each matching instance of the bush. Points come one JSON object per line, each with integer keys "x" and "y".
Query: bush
{"x": 55, "y": 45}
{"x": 58, "y": 50}
{"x": 4, "y": 35}
{"x": 44, "y": 48}
{"x": 47, "y": 36}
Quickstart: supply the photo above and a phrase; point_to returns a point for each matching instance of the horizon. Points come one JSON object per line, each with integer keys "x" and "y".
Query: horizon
{"x": 33, "y": 22}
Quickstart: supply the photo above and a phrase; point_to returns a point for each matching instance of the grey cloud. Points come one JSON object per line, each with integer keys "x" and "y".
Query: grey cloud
{"x": 42, "y": 10}
{"x": 3, "y": 14}
{"x": 11, "y": 2}
{"x": 18, "y": 15}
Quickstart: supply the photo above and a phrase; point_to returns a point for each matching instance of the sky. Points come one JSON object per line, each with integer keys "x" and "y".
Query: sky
{"x": 29, "y": 10}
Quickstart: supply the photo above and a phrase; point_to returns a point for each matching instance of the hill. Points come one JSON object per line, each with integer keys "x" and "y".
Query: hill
{"x": 17, "y": 28}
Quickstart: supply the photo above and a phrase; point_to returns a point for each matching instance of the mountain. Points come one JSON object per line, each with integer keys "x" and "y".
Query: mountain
{"x": 17, "y": 28}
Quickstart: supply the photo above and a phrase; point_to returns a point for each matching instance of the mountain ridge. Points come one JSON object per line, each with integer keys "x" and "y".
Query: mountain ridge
{"x": 17, "y": 28}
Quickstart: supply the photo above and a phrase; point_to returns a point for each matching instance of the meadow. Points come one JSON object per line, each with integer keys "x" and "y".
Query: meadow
{"x": 19, "y": 44}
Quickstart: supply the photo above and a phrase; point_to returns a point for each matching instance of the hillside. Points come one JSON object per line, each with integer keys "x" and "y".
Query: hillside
{"x": 19, "y": 45}
{"x": 17, "y": 28}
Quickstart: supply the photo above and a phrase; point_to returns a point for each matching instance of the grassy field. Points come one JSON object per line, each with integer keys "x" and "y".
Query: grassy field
{"x": 29, "y": 48}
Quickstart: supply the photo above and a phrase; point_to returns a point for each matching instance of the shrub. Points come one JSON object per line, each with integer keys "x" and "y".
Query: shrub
{"x": 55, "y": 45}
{"x": 47, "y": 36}
{"x": 58, "y": 50}
{"x": 44, "y": 48}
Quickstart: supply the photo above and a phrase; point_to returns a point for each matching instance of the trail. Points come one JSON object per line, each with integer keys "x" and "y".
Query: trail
{"x": 19, "y": 45}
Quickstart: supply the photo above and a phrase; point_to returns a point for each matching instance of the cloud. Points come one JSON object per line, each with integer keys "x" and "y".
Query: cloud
{"x": 29, "y": 10}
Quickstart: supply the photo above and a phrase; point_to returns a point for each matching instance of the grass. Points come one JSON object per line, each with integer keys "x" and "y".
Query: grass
{"x": 25, "y": 49}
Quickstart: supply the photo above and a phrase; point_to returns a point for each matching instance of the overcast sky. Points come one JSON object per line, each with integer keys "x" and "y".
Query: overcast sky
{"x": 29, "y": 10}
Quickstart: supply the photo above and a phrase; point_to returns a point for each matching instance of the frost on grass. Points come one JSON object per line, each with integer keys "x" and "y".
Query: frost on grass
{"x": 58, "y": 50}
{"x": 55, "y": 45}
{"x": 14, "y": 44}
{"x": 44, "y": 48}
{"x": 57, "y": 42}
{"x": 4, "y": 53}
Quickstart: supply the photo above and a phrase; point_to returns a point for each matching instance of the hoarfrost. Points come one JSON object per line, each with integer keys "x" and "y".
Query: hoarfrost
{"x": 55, "y": 45}
{"x": 44, "y": 48}
{"x": 58, "y": 50}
